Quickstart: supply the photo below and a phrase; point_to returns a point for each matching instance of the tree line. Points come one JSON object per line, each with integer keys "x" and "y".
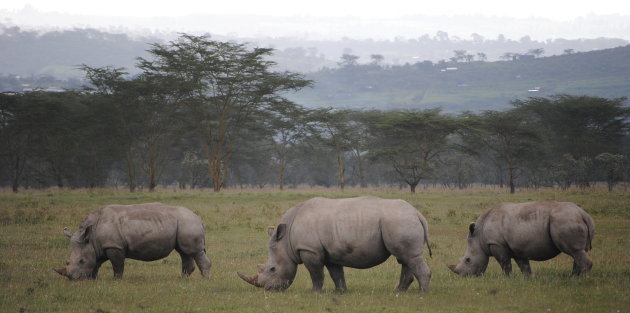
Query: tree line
{"x": 205, "y": 113}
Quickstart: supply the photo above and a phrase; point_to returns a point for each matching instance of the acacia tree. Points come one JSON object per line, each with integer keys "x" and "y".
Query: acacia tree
{"x": 289, "y": 124}
{"x": 613, "y": 166}
{"x": 411, "y": 142}
{"x": 506, "y": 138}
{"x": 117, "y": 98}
{"x": 337, "y": 129}
{"x": 15, "y": 139}
{"x": 221, "y": 85}
{"x": 582, "y": 126}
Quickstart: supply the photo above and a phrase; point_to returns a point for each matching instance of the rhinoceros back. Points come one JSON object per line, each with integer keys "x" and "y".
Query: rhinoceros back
{"x": 149, "y": 231}
{"x": 354, "y": 232}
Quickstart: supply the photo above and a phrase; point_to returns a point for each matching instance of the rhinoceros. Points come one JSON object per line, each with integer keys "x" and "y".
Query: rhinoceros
{"x": 537, "y": 231}
{"x": 355, "y": 232}
{"x": 146, "y": 232}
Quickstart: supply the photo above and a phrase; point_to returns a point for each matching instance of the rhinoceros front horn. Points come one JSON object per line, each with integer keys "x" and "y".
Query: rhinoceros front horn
{"x": 452, "y": 267}
{"x": 61, "y": 271}
{"x": 250, "y": 279}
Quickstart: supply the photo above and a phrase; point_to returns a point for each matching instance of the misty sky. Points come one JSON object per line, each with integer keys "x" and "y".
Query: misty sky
{"x": 552, "y": 9}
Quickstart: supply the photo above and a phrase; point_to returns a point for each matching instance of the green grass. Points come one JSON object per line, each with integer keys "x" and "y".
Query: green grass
{"x": 31, "y": 243}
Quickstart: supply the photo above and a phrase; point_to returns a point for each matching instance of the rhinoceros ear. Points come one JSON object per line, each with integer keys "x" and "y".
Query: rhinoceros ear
{"x": 67, "y": 232}
{"x": 86, "y": 225}
{"x": 270, "y": 230}
{"x": 471, "y": 228}
{"x": 280, "y": 231}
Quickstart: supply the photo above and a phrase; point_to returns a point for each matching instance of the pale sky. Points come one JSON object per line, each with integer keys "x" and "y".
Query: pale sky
{"x": 559, "y": 10}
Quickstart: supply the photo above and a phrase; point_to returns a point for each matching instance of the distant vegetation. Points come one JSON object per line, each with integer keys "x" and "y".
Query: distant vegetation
{"x": 206, "y": 113}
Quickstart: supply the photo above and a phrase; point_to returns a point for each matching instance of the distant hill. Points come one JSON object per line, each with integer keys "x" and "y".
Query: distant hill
{"x": 399, "y": 79}
{"x": 473, "y": 85}
{"x": 57, "y": 53}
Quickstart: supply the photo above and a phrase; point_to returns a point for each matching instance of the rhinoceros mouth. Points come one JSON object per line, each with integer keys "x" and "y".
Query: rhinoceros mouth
{"x": 279, "y": 287}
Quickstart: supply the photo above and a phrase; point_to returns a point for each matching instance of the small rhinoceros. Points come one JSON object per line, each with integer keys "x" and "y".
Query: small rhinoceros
{"x": 145, "y": 232}
{"x": 536, "y": 231}
{"x": 356, "y": 232}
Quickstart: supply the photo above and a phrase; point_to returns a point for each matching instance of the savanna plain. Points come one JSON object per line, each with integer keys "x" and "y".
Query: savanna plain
{"x": 32, "y": 243}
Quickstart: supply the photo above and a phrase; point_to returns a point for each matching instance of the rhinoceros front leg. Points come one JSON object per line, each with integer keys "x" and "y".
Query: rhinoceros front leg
{"x": 117, "y": 257}
{"x": 336, "y": 273}
{"x": 503, "y": 257}
{"x": 315, "y": 267}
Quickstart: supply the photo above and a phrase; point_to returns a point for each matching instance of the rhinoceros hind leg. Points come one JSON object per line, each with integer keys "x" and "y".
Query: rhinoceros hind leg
{"x": 523, "y": 264}
{"x": 188, "y": 264}
{"x": 336, "y": 273}
{"x": 117, "y": 257}
{"x": 419, "y": 269}
{"x": 503, "y": 257}
{"x": 406, "y": 278}
{"x": 203, "y": 263}
{"x": 315, "y": 267}
{"x": 582, "y": 264}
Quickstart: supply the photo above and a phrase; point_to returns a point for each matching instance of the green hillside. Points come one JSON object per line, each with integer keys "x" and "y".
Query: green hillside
{"x": 470, "y": 86}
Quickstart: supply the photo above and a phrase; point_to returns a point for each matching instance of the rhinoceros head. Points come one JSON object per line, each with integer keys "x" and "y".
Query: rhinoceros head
{"x": 82, "y": 263}
{"x": 279, "y": 271}
{"x": 475, "y": 261}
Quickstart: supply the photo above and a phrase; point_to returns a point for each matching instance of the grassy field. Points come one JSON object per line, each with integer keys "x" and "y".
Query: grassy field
{"x": 31, "y": 243}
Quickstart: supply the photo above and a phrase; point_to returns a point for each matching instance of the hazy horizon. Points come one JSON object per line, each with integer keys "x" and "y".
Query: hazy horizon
{"x": 313, "y": 25}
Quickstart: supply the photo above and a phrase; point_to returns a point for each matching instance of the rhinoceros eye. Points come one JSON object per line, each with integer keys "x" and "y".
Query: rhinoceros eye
{"x": 272, "y": 269}
{"x": 81, "y": 261}
{"x": 467, "y": 260}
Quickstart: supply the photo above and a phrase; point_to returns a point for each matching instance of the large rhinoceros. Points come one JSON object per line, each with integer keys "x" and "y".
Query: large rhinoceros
{"x": 144, "y": 232}
{"x": 536, "y": 231}
{"x": 357, "y": 232}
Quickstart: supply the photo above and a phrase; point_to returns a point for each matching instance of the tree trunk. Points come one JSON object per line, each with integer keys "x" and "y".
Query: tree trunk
{"x": 511, "y": 174}
{"x": 131, "y": 172}
{"x": 340, "y": 167}
{"x": 281, "y": 167}
{"x": 18, "y": 168}
{"x": 412, "y": 187}
{"x": 362, "y": 179}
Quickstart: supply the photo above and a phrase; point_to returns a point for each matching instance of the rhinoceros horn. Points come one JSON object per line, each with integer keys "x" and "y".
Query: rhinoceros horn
{"x": 67, "y": 232}
{"x": 250, "y": 279}
{"x": 452, "y": 267}
{"x": 61, "y": 271}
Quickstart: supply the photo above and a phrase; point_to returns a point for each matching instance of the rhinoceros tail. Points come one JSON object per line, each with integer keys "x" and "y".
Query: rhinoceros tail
{"x": 591, "y": 229}
{"x": 425, "y": 228}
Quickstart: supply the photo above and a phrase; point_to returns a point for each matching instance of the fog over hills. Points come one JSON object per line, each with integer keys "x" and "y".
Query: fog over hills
{"x": 330, "y": 28}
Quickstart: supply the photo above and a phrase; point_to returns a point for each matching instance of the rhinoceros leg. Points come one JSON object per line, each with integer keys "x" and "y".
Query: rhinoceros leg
{"x": 203, "y": 263}
{"x": 503, "y": 257}
{"x": 582, "y": 264}
{"x": 406, "y": 278}
{"x": 315, "y": 267}
{"x": 421, "y": 271}
{"x": 336, "y": 273}
{"x": 188, "y": 264}
{"x": 571, "y": 237}
{"x": 523, "y": 264}
{"x": 117, "y": 257}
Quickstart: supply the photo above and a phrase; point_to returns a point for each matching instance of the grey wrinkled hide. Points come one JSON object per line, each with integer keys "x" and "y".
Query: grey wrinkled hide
{"x": 146, "y": 232}
{"x": 536, "y": 231}
{"x": 333, "y": 233}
